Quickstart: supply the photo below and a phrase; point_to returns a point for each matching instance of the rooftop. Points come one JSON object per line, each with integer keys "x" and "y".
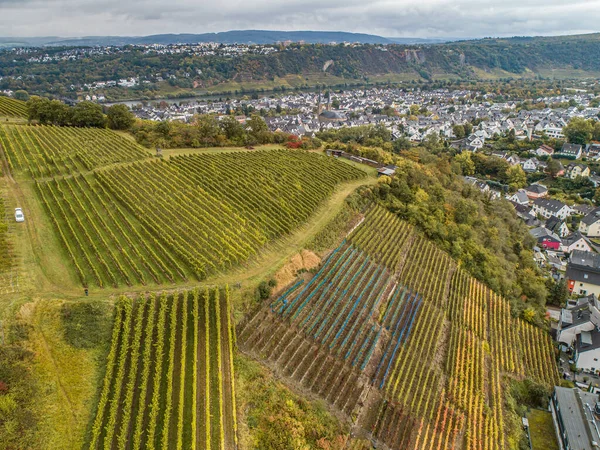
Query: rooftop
{"x": 549, "y": 204}
{"x": 585, "y": 259}
{"x": 576, "y": 412}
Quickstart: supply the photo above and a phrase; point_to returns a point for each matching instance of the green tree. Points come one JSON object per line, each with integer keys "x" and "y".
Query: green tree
{"x": 459, "y": 131}
{"x": 402, "y": 143}
{"x": 558, "y": 293}
{"x": 209, "y": 130}
{"x": 258, "y": 130}
{"x": 120, "y": 117}
{"x": 88, "y": 114}
{"x": 467, "y": 165}
{"x": 579, "y": 131}
{"x": 516, "y": 177}
{"x": 21, "y": 95}
{"x": 529, "y": 315}
{"x": 233, "y": 130}
{"x": 554, "y": 167}
{"x": 468, "y": 128}
{"x": 596, "y": 136}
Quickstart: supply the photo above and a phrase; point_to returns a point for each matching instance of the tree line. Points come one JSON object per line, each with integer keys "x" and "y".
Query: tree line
{"x": 84, "y": 114}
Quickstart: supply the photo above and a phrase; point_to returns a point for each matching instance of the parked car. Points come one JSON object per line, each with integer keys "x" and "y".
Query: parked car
{"x": 19, "y": 217}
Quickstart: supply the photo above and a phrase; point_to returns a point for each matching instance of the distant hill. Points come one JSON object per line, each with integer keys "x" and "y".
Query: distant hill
{"x": 302, "y": 65}
{"x": 227, "y": 37}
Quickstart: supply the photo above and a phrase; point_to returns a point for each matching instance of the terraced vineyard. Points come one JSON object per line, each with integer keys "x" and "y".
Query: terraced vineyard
{"x": 169, "y": 380}
{"x": 11, "y": 107}
{"x": 392, "y": 334}
{"x": 46, "y": 151}
{"x": 166, "y": 221}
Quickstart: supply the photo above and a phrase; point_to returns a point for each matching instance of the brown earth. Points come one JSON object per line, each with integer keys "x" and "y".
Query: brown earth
{"x": 305, "y": 260}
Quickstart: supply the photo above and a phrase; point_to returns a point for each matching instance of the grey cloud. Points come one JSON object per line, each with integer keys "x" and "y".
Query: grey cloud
{"x": 426, "y": 18}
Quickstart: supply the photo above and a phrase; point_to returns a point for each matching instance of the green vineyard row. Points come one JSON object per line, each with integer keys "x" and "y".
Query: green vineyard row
{"x": 169, "y": 375}
{"x": 166, "y": 221}
{"x": 392, "y": 320}
{"x": 12, "y": 108}
{"x": 47, "y": 151}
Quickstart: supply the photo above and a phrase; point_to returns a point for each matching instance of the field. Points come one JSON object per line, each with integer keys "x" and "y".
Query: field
{"x": 10, "y": 107}
{"x": 543, "y": 436}
{"x": 139, "y": 223}
{"x": 402, "y": 342}
{"x": 46, "y": 151}
{"x": 169, "y": 380}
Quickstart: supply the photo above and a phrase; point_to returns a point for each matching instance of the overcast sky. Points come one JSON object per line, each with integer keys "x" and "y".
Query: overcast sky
{"x": 393, "y": 18}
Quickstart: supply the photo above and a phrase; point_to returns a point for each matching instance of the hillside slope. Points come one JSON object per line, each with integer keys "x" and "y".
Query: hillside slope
{"x": 569, "y": 56}
{"x": 402, "y": 342}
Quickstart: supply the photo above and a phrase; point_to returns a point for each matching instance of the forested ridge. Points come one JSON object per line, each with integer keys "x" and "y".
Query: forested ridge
{"x": 516, "y": 56}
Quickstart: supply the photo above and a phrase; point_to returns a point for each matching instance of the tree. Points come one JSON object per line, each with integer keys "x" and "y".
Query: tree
{"x": 402, "y": 143}
{"x": 558, "y": 293}
{"x": 88, "y": 114}
{"x": 597, "y": 131}
{"x": 579, "y": 131}
{"x": 433, "y": 143}
{"x": 233, "y": 130}
{"x": 209, "y": 130}
{"x": 467, "y": 165}
{"x": 258, "y": 130}
{"x": 529, "y": 315}
{"x": 516, "y": 177}
{"x": 554, "y": 167}
{"x": 21, "y": 95}
{"x": 459, "y": 131}
{"x": 468, "y": 128}
{"x": 120, "y": 117}
{"x": 47, "y": 111}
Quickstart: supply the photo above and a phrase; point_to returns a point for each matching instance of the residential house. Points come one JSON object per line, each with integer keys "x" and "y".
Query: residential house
{"x": 546, "y": 238}
{"x": 590, "y": 224}
{"x": 547, "y": 208}
{"x": 574, "y": 150}
{"x": 577, "y": 170}
{"x": 544, "y": 150}
{"x": 583, "y": 273}
{"x": 535, "y": 190}
{"x": 481, "y": 185}
{"x": 578, "y": 316}
{"x": 531, "y": 165}
{"x": 524, "y": 213}
{"x": 556, "y": 263}
{"x": 520, "y": 197}
{"x": 575, "y": 423}
{"x": 513, "y": 160}
{"x": 557, "y": 226}
{"x": 554, "y": 132}
{"x": 595, "y": 179}
{"x": 592, "y": 150}
{"x": 474, "y": 143}
{"x": 575, "y": 241}
{"x": 582, "y": 209}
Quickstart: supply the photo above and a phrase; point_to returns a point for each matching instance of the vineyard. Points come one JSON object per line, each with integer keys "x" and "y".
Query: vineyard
{"x": 166, "y": 221}
{"x": 169, "y": 379}
{"x": 12, "y": 108}
{"x": 394, "y": 335}
{"x": 46, "y": 151}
